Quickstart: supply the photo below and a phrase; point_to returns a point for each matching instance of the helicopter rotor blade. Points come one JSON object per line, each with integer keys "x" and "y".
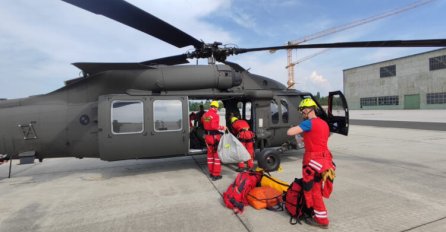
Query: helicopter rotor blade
{"x": 360, "y": 44}
{"x": 92, "y": 68}
{"x": 170, "y": 60}
{"x": 133, "y": 16}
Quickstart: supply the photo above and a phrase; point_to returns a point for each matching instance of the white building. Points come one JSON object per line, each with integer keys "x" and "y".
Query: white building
{"x": 412, "y": 82}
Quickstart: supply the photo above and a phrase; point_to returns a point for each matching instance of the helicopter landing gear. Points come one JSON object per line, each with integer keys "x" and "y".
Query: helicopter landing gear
{"x": 269, "y": 160}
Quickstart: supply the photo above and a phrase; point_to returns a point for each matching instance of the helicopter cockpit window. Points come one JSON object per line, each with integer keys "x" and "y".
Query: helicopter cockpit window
{"x": 274, "y": 112}
{"x": 284, "y": 111}
{"x": 127, "y": 117}
{"x": 167, "y": 115}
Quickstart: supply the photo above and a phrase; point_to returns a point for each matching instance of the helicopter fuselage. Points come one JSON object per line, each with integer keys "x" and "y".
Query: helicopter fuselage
{"x": 143, "y": 113}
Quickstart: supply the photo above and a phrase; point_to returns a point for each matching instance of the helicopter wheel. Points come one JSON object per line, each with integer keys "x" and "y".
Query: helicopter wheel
{"x": 268, "y": 160}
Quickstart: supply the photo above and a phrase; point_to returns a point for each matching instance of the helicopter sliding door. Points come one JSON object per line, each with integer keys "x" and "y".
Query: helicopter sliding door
{"x": 132, "y": 127}
{"x": 338, "y": 113}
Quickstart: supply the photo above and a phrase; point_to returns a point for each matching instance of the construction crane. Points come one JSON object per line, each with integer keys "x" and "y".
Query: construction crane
{"x": 291, "y": 64}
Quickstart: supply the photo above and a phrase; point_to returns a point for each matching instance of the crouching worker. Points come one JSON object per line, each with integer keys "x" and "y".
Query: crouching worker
{"x": 241, "y": 129}
{"x": 318, "y": 167}
{"x": 211, "y": 123}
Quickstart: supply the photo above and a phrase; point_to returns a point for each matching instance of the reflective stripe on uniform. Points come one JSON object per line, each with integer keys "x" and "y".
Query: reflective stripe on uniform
{"x": 320, "y": 214}
{"x": 315, "y": 165}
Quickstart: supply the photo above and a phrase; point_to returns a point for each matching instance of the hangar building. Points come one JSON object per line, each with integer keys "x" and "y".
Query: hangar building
{"x": 412, "y": 82}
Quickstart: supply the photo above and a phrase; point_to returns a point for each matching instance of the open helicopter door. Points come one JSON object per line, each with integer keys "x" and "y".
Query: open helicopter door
{"x": 338, "y": 113}
{"x": 134, "y": 127}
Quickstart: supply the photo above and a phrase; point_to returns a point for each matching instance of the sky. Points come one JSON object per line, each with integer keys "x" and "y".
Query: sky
{"x": 40, "y": 39}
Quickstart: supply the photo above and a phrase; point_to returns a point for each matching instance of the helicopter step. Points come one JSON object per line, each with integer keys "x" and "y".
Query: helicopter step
{"x": 27, "y": 157}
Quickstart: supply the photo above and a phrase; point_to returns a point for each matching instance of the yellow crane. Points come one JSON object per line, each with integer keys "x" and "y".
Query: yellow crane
{"x": 291, "y": 64}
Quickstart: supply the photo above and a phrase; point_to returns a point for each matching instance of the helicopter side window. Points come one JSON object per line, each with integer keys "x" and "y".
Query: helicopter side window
{"x": 337, "y": 105}
{"x": 127, "y": 117}
{"x": 284, "y": 110}
{"x": 248, "y": 110}
{"x": 167, "y": 115}
{"x": 274, "y": 112}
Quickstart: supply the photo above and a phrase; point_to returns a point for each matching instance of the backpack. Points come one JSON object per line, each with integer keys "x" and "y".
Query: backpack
{"x": 235, "y": 196}
{"x": 295, "y": 203}
{"x": 265, "y": 198}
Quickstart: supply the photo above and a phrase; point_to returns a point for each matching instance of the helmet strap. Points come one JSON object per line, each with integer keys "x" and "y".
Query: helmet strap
{"x": 306, "y": 114}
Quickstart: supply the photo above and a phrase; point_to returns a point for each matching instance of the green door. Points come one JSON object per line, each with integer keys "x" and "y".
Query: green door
{"x": 412, "y": 101}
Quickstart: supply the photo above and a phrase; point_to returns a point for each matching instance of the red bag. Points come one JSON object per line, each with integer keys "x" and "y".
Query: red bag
{"x": 295, "y": 202}
{"x": 235, "y": 196}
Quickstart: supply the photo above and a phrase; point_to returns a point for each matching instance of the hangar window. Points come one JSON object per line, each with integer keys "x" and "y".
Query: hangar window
{"x": 388, "y": 71}
{"x": 388, "y": 100}
{"x": 368, "y": 101}
{"x": 167, "y": 115}
{"x": 436, "y": 98}
{"x": 274, "y": 112}
{"x": 438, "y": 62}
{"x": 127, "y": 117}
{"x": 284, "y": 110}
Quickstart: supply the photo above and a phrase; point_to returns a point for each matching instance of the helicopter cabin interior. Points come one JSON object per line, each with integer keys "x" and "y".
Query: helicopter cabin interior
{"x": 266, "y": 117}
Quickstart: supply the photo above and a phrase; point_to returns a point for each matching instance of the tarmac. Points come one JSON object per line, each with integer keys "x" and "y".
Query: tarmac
{"x": 387, "y": 179}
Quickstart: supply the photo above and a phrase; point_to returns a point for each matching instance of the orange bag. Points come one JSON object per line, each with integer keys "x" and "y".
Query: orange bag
{"x": 264, "y": 198}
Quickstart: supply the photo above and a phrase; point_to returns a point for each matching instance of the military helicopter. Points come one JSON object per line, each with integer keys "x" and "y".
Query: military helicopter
{"x": 119, "y": 111}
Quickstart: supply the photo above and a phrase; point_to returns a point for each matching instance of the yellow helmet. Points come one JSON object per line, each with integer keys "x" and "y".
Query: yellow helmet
{"x": 214, "y": 104}
{"x": 233, "y": 119}
{"x": 306, "y": 103}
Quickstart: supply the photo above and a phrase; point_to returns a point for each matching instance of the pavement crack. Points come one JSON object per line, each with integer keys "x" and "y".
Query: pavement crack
{"x": 203, "y": 169}
{"x": 424, "y": 224}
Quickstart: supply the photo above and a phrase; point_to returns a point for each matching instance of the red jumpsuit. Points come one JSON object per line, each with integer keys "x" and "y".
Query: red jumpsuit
{"x": 240, "y": 128}
{"x": 211, "y": 123}
{"x": 317, "y": 159}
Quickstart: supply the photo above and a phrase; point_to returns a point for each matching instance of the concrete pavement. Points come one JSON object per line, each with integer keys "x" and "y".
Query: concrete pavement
{"x": 388, "y": 179}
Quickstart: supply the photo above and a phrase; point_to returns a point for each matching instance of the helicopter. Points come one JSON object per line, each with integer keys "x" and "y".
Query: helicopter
{"x": 120, "y": 111}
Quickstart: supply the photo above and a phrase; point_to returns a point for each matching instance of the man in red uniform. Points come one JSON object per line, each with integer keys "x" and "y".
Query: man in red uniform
{"x": 317, "y": 162}
{"x": 241, "y": 129}
{"x": 211, "y": 123}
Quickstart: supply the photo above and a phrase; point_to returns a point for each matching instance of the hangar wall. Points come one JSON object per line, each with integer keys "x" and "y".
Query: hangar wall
{"x": 412, "y": 82}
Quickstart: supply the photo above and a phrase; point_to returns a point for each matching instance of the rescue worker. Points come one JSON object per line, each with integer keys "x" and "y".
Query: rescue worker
{"x": 241, "y": 129}
{"x": 200, "y": 114}
{"x": 211, "y": 123}
{"x": 192, "y": 119}
{"x": 318, "y": 167}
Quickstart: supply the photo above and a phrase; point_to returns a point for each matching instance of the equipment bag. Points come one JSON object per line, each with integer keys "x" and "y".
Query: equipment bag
{"x": 231, "y": 150}
{"x": 235, "y": 195}
{"x": 295, "y": 202}
{"x": 265, "y": 198}
{"x": 274, "y": 183}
